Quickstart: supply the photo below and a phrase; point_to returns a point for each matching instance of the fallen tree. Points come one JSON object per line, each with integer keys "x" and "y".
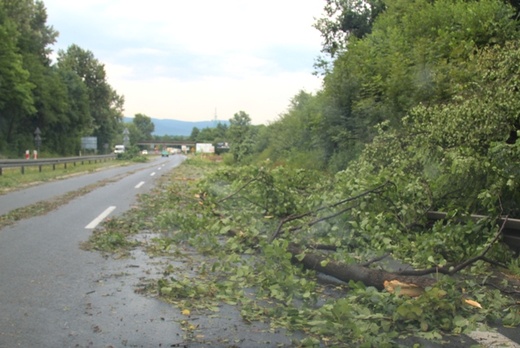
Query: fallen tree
{"x": 241, "y": 264}
{"x": 410, "y": 282}
{"x": 354, "y": 272}
{"x": 377, "y": 277}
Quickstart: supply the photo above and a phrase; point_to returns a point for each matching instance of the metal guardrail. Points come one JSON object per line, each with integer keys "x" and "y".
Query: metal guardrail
{"x": 22, "y": 163}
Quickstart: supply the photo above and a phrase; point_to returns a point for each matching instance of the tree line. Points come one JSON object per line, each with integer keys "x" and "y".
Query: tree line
{"x": 65, "y": 99}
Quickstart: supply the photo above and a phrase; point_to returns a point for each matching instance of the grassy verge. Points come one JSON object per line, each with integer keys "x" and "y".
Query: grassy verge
{"x": 42, "y": 208}
{"x": 152, "y": 208}
{"x": 12, "y": 178}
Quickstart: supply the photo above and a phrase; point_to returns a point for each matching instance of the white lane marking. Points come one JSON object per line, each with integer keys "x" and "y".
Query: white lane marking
{"x": 100, "y": 218}
{"x": 492, "y": 339}
{"x": 139, "y": 185}
{"x": 159, "y": 168}
{"x": 152, "y": 174}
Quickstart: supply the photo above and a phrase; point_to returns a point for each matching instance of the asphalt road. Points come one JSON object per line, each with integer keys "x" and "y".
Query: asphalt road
{"x": 54, "y": 294}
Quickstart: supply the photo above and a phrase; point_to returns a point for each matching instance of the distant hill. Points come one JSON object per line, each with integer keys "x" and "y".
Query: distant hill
{"x": 176, "y": 127}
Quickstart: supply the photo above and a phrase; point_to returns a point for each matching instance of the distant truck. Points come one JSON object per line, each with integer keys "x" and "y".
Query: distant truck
{"x": 119, "y": 149}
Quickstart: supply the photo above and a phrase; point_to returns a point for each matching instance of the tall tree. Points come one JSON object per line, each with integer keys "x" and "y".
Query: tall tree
{"x": 34, "y": 41}
{"x": 194, "y": 136}
{"x": 16, "y": 99}
{"x": 145, "y": 125}
{"x": 105, "y": 105}
{"x": 36, "y": 94}
{"x": 30, "y": 17}
{"x": 293, "y": 138}
{"x": 72, "y": 120}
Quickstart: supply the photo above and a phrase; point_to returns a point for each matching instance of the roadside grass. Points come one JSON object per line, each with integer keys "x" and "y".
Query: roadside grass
{"x": 143, "y": 217}
{"x": 12, "y": 178}
{"x": 44, "y": 207}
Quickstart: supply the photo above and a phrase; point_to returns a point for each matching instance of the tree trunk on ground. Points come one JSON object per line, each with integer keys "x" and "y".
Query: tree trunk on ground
{"x": 414, "y": 281}
{"x": 346, "y": 273}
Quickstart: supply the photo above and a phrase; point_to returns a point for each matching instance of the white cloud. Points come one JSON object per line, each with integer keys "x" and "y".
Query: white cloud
{"x": 182, "y": 59}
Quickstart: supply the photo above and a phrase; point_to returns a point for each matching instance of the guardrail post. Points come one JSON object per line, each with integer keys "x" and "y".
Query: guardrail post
{"x": 40, "y": 168}
{"x": 23, "y": 170}
{"x": 1, "y": 171}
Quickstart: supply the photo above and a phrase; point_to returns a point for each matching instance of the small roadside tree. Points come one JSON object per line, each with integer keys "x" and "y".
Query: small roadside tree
{"x": 240, "y": 136}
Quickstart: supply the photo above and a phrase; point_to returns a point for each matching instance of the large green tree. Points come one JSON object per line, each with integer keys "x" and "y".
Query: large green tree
{"x": 34, "y": 41}
{"x": 105, "y": 105}
{"x": 65, "y": 101}
{"x": 145, "y": 126}
{"x": 16, "y": 99}
{"x": 293, "y": 138}
{"x": 71, "y": 118}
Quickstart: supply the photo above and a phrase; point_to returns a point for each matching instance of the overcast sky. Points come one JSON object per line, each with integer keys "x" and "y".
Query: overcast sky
{"x": 187, "y": 59}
